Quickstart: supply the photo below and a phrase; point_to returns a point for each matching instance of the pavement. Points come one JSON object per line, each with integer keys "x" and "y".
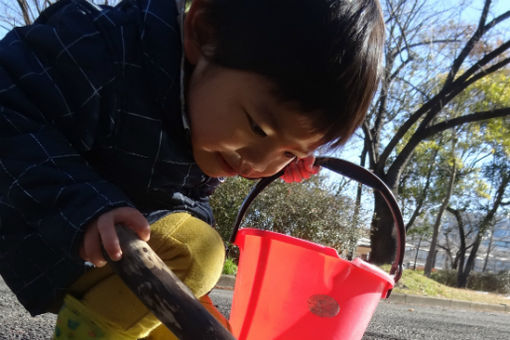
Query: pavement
{"x": 228, "y": 281}
{"x": 400, "y": 317}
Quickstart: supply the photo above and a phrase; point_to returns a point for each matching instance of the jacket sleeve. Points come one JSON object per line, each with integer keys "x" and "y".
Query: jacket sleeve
{"x": 56, "y": 77}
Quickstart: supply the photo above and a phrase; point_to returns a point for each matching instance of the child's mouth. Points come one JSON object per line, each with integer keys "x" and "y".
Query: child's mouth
{"x": 229, "y": 171}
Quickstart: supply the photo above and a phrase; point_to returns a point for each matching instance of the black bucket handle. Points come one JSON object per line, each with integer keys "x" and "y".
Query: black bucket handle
{"x": 358, "y": 174}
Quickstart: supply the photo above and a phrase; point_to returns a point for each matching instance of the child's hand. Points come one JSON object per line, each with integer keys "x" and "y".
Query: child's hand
{"x": 300, "y": 169}
{"x": 101, "y": 233}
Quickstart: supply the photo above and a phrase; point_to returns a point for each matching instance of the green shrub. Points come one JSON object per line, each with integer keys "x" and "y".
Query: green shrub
{"x": 446, "y": 277}
{"x": 488, "y": 282}
{"x": 230, "y": 267}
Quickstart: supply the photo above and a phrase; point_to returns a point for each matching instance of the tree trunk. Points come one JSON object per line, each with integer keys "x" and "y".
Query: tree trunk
{"x": 357, "y": 207}
{"x": 448, "y": 259}
{"x": 470, "y": 263}
{"x": 458, "y": 263}
{"x": 434, "y": 258}
{"x": 463, "y": 275}
{"x": 429, "y": 264}
{"x": 489, "y": 248}
{"x": 382, "y": 238}
{"x": 423, "y": 195}
{"x": 417, "y": 252}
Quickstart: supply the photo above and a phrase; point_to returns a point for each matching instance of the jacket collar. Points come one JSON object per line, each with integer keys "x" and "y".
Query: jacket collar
{"x": 181, "y": 9}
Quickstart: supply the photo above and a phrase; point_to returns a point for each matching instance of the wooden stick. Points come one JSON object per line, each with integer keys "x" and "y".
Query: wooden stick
{"x": 162, "y": 292}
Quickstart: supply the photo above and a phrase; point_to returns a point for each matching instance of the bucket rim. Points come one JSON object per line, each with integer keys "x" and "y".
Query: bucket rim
{"x": 247, "y": 236}
{"x": 288, "y": 239}
{"x": 358, "y": 262}
{"x": 313, "y": 246}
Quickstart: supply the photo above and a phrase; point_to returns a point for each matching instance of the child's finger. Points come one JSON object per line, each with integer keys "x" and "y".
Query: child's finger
{"x": 293, "y": 174}
{"x": 309, "y": 165}
{"x": 83, "y": 254}
{"x": 109, "y": 238}
{"x": 92, "y": 247}
{"x": 303, "y": 171}
{"x": 138, "y": 223}
{"x": 286, "y": 174}
{"x": 290, "y": 174}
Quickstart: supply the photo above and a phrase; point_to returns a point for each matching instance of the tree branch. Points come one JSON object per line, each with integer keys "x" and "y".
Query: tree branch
{"x": 478, "y": 66}
{"x": 423, "y": 194}
{"x": 497, "y": 20}
{"x": 24, "y": 11}
{"x": 415, "y": 88}
{"x": 474, "y": 117}
{"x": 369, "y": 144}
{"x": 424, "y": 133}
{"x": 400, "y": 67}
{"x": 426, "y": 42}
{"x": 481, "y": 29}
{"x": 465, "y": 80}
{"x": 433, "y": 107}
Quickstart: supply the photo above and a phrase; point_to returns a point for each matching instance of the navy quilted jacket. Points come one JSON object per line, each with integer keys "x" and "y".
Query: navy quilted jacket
{"x": 90, "y": 119}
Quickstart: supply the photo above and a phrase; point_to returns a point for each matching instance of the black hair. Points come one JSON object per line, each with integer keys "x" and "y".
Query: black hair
{"x": 323, "y": 54}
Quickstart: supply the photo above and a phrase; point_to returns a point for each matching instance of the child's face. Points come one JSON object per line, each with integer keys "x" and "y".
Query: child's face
{"x": 238, "y": 127}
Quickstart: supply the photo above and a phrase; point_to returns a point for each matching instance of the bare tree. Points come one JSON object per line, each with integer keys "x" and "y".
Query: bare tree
{"x": 409, "y": 106}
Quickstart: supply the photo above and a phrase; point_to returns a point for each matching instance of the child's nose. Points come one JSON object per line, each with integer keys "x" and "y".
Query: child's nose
{"x": 253, "y": 164}
{"x": 261, "y": 160}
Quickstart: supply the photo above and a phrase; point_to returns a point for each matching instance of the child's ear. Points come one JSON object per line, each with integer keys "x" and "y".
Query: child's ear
{"x": 197, "y": 32}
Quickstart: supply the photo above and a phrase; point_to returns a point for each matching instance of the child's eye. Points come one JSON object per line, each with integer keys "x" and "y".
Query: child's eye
{"x": 254, "y": 127}
{"x": 289, "y": 155}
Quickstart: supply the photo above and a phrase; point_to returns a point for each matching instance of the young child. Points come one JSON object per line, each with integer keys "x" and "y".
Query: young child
{"x": 130, "y": 115}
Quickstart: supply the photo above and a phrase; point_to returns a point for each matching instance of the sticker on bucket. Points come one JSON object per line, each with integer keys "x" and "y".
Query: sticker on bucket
{"x": 323, "y": 305}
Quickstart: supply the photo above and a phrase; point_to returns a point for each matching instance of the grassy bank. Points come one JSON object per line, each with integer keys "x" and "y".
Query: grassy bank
{"x": 415, "y": 283}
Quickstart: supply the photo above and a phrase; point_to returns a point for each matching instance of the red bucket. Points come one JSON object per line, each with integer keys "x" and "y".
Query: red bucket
{"x": 291, "y": 289}
{"x": 288, "y": 288}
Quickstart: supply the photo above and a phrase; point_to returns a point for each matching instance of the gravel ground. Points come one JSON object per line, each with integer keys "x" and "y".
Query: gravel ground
{"x": 16, "y": 323}
{"x": 391, "y": 321}
{"x": 415, "y": 322}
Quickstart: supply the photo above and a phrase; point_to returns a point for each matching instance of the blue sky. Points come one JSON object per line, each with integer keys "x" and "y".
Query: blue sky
{"x": 499, "y": 7}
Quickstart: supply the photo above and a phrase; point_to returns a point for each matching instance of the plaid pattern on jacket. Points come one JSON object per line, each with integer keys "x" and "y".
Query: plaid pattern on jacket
{"x": 90, "y": 119}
